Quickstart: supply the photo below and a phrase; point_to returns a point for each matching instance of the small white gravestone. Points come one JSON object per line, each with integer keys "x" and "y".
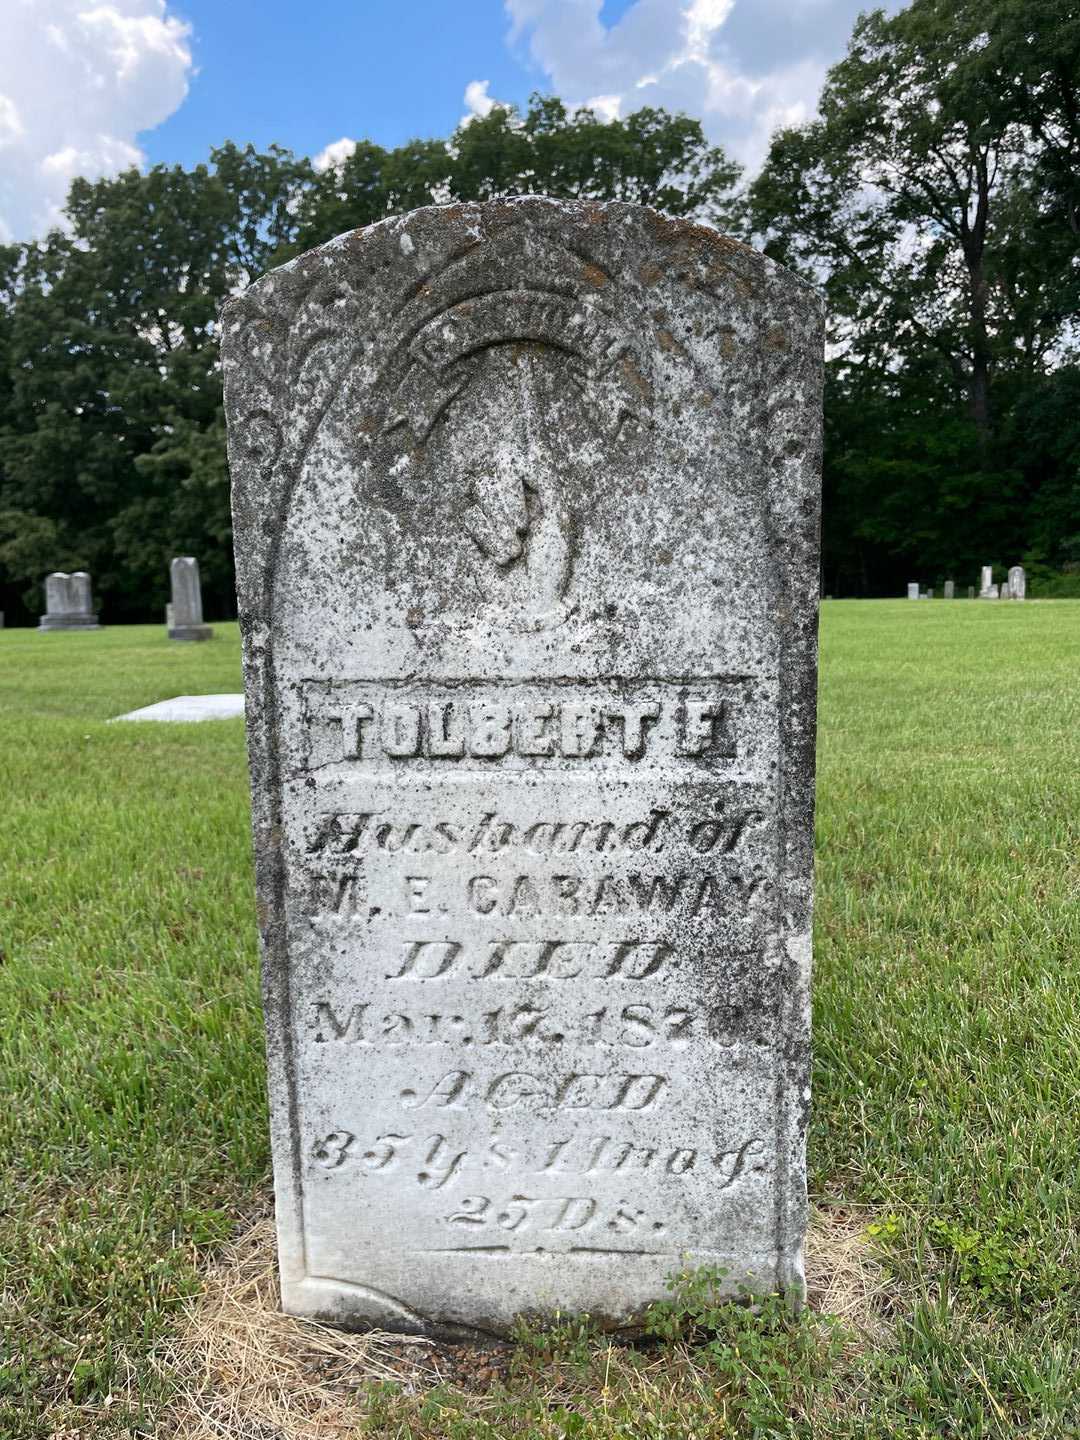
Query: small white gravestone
{"x": 913, "y": 591}
{"x": 187, "y": 614}
{"x": 68, "y": 602}
{"x": 189, "y": 708}
{"x": 525, "y": 504}
{"x": 1005, "y": 593}
{"x": 987, "y": 584}
{"x": 1017, "y": 582}
{"x": 950, "y": 589}
{"x": 971, "y": 592}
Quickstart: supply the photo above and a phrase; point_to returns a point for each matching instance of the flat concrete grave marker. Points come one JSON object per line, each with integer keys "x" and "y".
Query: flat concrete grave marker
{"x": 1017, "y": 582}
{"x": 68, "y": 602}
{"x": 525, "y": 502}
{"x": 187, "y": 617}
{"x": 187, "y": 708}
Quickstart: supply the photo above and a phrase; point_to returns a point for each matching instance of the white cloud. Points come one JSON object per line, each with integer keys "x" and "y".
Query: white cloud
{"x": 335, "y": 154}
{"x": 607, "y": 107}
{"x": 78, "y": 80}
{"x": 478, "y": 103}
{"x": 743, "y": 67}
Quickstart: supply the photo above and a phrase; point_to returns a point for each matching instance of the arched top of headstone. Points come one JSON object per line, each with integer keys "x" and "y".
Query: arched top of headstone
{"x": 416, "y": 336}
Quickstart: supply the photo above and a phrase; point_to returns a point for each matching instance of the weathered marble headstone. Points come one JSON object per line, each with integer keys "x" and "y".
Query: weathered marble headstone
{"x": 913, "y": 591}
{"x": 187, "y": 616}
{"x": 992, "y": 593}
{"x": 950, "y": 589}
{"x": 1017, "y": 582}
{"x": 1005, "y": 593}
{"x": 525, "y": 501}
{"x": 986, "y": 584}
{"x": 68, "y": 602}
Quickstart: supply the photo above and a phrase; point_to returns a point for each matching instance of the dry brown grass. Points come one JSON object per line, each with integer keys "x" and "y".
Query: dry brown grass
{"x": 844, "y": 1278}
{"x": 247, "y": 1372}
{"x": 244, "y": 1371}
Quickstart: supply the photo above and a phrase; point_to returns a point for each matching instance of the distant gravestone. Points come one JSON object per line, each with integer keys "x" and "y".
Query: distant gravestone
{"x": 1017, "y": 582}
{"x": 525, "y": 506}
{"x": 913, "y": 592}
{"x": 992, "y": 593}
{"x": 971, "y": 592}
{"x": 929, "y": 594}
{"x": 68, "y": 602}
{"x": 187, "y": 614}
{"x": 950, "y": 589}
{"x": 1005, "y": 593}
{"x": 986, "y": 584}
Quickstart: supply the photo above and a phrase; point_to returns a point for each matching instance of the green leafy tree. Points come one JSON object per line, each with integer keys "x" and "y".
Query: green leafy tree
{"x": 112, "y": 454}
{"x": 929, "y": 202}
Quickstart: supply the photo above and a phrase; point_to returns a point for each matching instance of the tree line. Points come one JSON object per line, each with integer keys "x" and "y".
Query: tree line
{"x": 935, "y": 198}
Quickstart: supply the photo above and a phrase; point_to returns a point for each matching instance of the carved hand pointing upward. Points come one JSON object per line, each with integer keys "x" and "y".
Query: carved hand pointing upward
{"x": 518, "y": 514}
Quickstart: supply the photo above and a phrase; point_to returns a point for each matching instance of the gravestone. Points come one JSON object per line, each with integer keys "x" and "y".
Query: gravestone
{"x": 1017, "y": 582}
{"x": 971, "y": 592}
{"x": 992, "y": 593}
{"x": 187, "y": 616}
{"x": 950, "y": 589}
{"x": 525, "y": 501}
{"x": 913, "y": 592}
{"x": 929, "y": 594}
{"x": 68, "y": 602}
{"x": 1005, "y": 593}
{"x": 986, "y": 584}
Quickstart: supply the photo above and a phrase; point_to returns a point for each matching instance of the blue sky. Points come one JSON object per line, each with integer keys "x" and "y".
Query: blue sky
{"x": 89, "y": 87}
{"x": 307, "y": 74}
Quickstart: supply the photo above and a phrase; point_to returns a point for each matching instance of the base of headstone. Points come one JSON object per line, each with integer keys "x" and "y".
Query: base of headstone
{"x": 68, "y": 622}
{"x": 191, "y": 632}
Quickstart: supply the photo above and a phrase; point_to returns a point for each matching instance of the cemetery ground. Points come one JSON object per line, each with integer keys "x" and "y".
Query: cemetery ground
{"x": 945, "y": 1145}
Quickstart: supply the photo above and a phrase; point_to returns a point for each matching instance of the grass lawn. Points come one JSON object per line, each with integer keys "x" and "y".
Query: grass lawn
{"x": 947, "y": 1070}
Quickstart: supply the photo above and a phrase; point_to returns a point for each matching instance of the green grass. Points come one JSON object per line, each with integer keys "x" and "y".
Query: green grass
{"x": 947, "y": 1034}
